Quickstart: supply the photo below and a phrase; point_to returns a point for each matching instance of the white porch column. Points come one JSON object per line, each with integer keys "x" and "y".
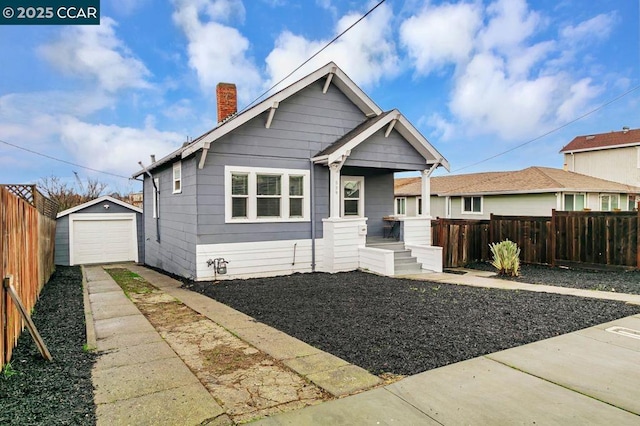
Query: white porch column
{"x": 426, "y": 193}
{"x": 334, "y": 190}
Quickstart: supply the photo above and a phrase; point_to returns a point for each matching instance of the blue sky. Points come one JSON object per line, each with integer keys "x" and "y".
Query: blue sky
{"x": 475, "y": 77}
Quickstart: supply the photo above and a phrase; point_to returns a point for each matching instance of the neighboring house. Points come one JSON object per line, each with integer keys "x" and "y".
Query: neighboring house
{"x": 534, "y": 191}
{"x": 612, "y": 156}
{"x": 135, "y": 199}
{"x": 102, "y": 230}
{"x": 299, "y": 182}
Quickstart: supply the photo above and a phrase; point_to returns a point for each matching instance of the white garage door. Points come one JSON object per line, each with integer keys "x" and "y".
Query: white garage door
{"x": 102, "y": 238}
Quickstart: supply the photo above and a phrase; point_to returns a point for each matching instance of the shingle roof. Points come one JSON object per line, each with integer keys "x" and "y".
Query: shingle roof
{"x": 529, "y": 180}
{"x": 603, "y": 141}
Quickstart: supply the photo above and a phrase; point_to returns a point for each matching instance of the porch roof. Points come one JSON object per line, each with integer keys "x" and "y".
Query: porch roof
{"x": 341, "y": 148}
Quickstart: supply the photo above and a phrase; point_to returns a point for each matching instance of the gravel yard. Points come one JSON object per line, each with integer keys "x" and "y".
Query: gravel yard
{"x": 37, "y": 392}
{"x": 404, "y": 327}
{"x": 618, "y": 281}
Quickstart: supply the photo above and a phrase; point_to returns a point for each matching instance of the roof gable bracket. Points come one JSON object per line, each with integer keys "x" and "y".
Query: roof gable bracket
{"x": 328, "y": 81}
{"x": 390, "y": 128}
{"x": 203, "y": 157}
{"x": 272, "y": 112}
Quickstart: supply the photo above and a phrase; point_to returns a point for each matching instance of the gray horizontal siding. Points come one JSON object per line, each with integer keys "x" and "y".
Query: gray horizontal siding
{"x": 61, "y": 255}
{"x": 175, "y": 252}
{"x": 392, "y": 152}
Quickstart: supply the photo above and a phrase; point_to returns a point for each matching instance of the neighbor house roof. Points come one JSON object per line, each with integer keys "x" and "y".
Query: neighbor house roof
{"x": 529, "y": 180}
{"x": 603, "y": 141}
{"x": 103, "y": 199}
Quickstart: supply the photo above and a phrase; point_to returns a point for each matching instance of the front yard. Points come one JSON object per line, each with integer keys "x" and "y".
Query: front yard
{"x": 404, "y": 327}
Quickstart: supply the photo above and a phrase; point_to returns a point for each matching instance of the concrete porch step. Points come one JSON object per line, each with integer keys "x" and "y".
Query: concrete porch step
{"x": 404, "y": 263}
{"x": 409, "y": 268}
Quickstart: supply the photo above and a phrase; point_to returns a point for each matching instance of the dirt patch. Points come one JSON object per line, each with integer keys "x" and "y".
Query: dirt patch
{"x": 247, "y": 383}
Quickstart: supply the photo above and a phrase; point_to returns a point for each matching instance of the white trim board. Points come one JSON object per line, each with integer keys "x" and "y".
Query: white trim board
{"x": 104, "y": 198}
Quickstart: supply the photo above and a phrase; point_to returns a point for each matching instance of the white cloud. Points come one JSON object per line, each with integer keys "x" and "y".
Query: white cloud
{"x": 440, "y": 35}
{"x": 504, "y": 83}
{"x": 217, "y": 52}
{"x": 113, "y": 148}
{"x": 367, "y": 52}
{"x": 597, "y": 28}
{"x": 96, "y": 53}
{"x": 578, "y": 96}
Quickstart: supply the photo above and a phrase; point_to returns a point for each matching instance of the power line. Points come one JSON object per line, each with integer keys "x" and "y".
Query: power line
{"x": 617, "y": 98}
{"x": 63, "y": 161}
{"x": 314, "y": 55}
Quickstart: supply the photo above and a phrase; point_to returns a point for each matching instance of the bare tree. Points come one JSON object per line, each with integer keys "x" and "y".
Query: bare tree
{"x": 67, "y": 195}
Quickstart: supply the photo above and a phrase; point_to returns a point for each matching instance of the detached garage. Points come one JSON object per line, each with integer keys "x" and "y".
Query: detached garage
{"x": 103, "y": 230}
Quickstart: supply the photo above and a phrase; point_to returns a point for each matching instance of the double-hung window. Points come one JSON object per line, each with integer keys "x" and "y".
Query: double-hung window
{"x": 259, "y": 194}
{"x": 177, "y": 177}
{"x": 471, "y": 205}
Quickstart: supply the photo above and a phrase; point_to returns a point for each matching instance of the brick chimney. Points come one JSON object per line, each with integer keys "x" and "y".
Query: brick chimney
{"x": 227, "y": 100}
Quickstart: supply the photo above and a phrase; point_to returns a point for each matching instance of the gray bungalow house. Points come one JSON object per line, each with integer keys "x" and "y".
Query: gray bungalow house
{"x": 301, "y": 182}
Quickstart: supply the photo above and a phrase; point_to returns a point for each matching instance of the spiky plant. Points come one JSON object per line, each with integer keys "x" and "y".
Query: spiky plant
{"x": 506, "y": 258}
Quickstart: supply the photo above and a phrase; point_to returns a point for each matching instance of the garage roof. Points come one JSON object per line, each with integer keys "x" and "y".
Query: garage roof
{"x": 105, "y": 198}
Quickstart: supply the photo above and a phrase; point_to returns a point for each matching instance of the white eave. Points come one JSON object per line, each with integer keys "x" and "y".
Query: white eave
{"x": 339, "y": 79}
{"x": 600, "y": 148}
{"x": 103, "y": 199}
{"x": 535, "y": 191}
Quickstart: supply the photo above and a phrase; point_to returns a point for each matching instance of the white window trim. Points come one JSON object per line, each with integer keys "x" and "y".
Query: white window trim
{"x": 252, "y": 173}
{"x": 155, "y": 199}
{"x": 176, "y": 166}
{"x": 463, "y": 211}
{"x": 359, "y": 179}
{"x": 395, "y": 206}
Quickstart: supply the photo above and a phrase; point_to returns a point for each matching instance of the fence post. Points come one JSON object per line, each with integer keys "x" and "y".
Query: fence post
{"x": 5, "y": 325}
{"x": 553, "y": 237}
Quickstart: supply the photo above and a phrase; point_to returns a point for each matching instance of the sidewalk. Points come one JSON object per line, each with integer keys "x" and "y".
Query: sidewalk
{"x": 588, "y": 376}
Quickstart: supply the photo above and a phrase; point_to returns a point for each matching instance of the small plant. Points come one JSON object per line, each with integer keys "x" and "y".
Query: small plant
{"x": 506, "y": 258}
{"x": 8, "y": 371}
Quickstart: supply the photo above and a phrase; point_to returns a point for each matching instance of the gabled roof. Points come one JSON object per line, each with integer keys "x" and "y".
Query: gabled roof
{"x": 527, "y": 181}
{"x": 338, "y": 78}
{"x": 603, "y": 141}
{"x": 359, "y": 134}
{"x": 102, "y": 199}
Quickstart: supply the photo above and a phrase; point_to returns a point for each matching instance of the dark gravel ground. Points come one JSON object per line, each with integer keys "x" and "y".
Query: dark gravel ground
{"x": 618, "y": 281}
{"x": 406, "y": 327}
{"x": 58, "y": 392}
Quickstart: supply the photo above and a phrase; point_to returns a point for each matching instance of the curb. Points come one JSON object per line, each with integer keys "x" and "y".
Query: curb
{"x": 92, "y": 344}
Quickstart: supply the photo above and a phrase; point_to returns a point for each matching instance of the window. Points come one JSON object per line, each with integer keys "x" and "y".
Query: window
{"x": 471, "y": 204}
{"x": 258, "y": 194}
{"x": 401, "y": 206}
{"x": 609, "y": 202}
{"x": 633, "y": 203}
{"x": 419, "y": 206}
{"x": 239, "y": 195}
{"x": 296, "y": 196}
{"x": 352, "y": 196}
{"x": 574, "y": 202}
{"x": 177, "y": 177}
{"x": 156, "y": 192}
{"x": 269, "y": 191}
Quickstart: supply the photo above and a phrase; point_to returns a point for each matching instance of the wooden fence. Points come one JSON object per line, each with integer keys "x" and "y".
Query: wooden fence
{"x": 26, "y": 252}
{"x": 593, "y": 239}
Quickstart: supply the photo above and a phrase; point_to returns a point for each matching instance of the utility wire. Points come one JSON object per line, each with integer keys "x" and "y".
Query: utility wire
{"x": 609, "y": 102}
{"x": 63, "y": 161}
{"x": 313, "y": 56}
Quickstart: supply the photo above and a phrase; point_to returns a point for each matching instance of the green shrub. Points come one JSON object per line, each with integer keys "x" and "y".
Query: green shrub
{"x": 506, "y": 258}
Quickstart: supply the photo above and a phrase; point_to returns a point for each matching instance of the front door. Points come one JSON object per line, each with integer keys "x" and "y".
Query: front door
{"x": 352, "y": 196}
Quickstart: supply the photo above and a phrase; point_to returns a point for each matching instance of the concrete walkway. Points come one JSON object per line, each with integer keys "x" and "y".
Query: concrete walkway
{"x": 585, "y": 377}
